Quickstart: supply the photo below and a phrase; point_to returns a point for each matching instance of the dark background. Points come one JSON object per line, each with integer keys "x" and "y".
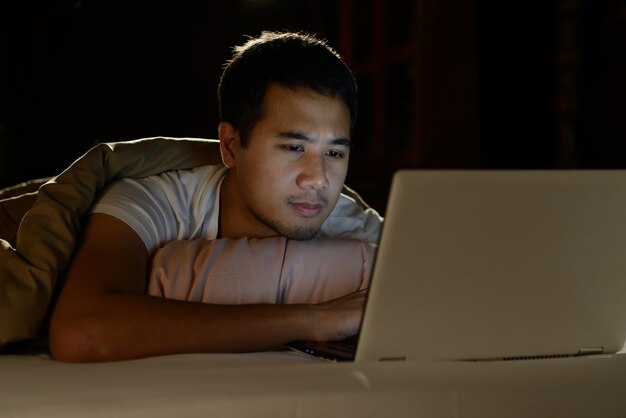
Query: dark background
{"x": 443, "y": 84}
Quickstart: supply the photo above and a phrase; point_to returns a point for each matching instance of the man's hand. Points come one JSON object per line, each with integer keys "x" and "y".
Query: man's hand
{"x": 339, "y": 318}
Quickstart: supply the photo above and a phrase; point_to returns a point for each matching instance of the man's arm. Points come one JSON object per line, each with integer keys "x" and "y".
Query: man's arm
{"x": 104, "y": 314}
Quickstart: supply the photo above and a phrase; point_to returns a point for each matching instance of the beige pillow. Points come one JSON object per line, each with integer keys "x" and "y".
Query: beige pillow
{"x": 269, "y": 270}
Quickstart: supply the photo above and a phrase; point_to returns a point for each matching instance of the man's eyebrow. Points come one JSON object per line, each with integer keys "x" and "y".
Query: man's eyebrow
{"x": 299, "y": 136}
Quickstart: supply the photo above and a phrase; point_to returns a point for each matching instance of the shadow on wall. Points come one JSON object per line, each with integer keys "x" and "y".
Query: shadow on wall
{"x": 89, "y": 71}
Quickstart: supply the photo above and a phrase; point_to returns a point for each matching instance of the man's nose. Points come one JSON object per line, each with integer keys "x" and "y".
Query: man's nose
{"x": 313, "y": 173}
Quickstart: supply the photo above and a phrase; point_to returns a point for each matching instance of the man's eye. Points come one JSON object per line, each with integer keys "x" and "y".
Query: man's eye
{"x": 335, "y": 154}
{"x": 293, "y": 148}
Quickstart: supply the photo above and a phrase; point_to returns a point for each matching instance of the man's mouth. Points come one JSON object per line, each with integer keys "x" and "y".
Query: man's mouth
{"x": 308, "y": 210}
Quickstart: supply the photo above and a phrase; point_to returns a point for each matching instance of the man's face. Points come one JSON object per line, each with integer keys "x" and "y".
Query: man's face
{"x": 290, "y": 175}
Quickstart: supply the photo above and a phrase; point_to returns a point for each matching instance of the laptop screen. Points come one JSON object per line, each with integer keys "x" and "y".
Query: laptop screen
{"x": 499, "y": 264}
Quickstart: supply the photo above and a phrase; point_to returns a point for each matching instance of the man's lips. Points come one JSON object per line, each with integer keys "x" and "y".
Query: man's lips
{"x": 308, "y": 210}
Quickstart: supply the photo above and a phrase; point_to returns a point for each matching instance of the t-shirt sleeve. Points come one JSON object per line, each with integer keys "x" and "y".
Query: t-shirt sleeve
{"x": 173, "y": 205}
{"x": 146, "y": 211}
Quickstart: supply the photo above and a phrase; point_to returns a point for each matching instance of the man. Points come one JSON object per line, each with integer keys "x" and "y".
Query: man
{"x": 287, "y": 107}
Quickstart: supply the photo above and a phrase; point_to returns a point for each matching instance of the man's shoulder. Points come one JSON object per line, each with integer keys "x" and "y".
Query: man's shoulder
{"x": 352, "y": 220}
{"x": 350, "y": 206}
{"x": 194, "y": 177}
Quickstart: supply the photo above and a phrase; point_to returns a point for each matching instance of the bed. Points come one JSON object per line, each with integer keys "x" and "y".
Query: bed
{"x": 287, "y": 384}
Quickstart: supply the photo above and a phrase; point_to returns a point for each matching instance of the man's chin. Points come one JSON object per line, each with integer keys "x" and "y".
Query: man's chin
{"x": 300, "y": 233}
{"x": 297, "y": 232}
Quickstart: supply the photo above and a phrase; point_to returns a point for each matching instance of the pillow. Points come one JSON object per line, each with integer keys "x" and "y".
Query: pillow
{"x": 267, "y": 270}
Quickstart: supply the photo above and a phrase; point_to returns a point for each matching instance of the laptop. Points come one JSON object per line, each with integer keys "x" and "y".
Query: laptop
{"x": 496, "y": 265}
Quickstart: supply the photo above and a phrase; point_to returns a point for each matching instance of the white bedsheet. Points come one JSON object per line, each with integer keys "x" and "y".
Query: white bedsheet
{"x": 285, "y": 384}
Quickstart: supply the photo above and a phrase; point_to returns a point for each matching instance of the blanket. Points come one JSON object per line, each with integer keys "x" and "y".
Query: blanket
{"x": 47, "y": 232}
{"x": 32, "y": 261}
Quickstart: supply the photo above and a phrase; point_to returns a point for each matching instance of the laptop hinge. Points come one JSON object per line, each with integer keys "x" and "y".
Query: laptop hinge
{"x": 590, "y": 351}
{"x": 392, "y": 359}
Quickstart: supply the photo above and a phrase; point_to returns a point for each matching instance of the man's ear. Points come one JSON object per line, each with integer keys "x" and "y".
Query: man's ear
{"x": 229, "y": 143}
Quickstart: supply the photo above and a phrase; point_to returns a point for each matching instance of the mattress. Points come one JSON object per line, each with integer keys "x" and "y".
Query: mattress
{"x": 287, "y": 384}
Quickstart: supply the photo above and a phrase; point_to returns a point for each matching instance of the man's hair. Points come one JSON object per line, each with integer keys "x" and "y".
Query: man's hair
{"x": 292, "y": 60}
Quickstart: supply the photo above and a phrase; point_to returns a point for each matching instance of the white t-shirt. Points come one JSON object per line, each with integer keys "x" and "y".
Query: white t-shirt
{"x": 184, "y": 204}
